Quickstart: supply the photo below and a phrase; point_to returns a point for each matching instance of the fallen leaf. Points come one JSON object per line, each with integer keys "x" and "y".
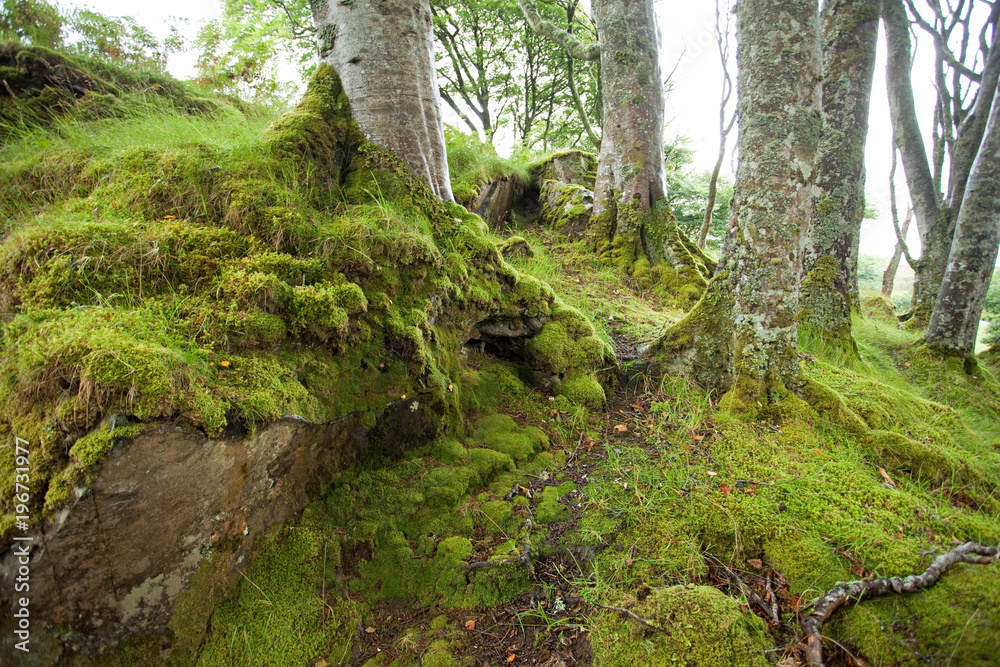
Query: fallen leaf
{"x": 858, "y": 570}
{"x": 470, "y": 625}
{"x": 712, "y": 473}
{"x": 511, "y": 657}
{"x": 699, "y": 437}
{"x": 756, "y": 563}
{"x": 886, "y": 477}
{"x": 907, "y": 364}
{"x": 818, "y": 451}
{"x": 370, "y": 630}
{"x": 621, "y": 428}
{"x": 725, "y": 489}
{"x": 322, "y": 663}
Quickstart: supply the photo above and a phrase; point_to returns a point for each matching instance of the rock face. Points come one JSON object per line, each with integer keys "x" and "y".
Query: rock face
{"x": 495, "y": 200}
{"x": 111, "y": 565}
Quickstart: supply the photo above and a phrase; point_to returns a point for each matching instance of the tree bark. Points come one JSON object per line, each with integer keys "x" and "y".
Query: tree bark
{"x": 829, "y": 271}
{"x": 742, "y": 335}
{"x": 932, "y": 223}
{"x": 889, "y": 275}
{"x": 954, "y": 321}
{"x": 383, "y": 51}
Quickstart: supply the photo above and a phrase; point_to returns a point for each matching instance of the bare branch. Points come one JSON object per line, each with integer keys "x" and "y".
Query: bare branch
{"x": 824, "y": 606}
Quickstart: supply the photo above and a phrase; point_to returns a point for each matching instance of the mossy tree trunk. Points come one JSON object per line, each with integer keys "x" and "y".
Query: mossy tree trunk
{"x": 742, "y": 335}
{"x": 633, "y": 225}
{"x": 383, "y": 51}
{"x": 829, "y": 268}
{"x": 954, "y": 321}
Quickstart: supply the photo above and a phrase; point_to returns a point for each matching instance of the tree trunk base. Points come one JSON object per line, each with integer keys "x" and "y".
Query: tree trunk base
{"x": 652, "y": 249}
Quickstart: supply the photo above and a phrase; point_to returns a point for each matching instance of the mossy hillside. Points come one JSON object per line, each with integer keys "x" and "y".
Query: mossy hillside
{"x": 821, "y": 497}
{"x": 473, "y": 164}
{"x": 43, "y": 85}
{"x": 214, "y": 284}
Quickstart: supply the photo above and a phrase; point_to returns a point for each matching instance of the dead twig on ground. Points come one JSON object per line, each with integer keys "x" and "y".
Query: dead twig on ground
{"x": 825, "y": 605}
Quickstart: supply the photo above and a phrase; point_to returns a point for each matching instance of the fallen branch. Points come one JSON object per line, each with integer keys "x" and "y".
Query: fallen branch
{"x": 824, "y": 606}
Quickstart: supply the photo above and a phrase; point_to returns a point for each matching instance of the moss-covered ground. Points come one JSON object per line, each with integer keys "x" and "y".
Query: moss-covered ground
{"x": 234, "y": 274}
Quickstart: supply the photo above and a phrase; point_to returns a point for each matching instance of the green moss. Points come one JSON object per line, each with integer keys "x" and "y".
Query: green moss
{"x": 584, "y": 389}
{"x": 702, "y": 627}
{"x": 549, "y": 510}
{"x": 277, "y": 607}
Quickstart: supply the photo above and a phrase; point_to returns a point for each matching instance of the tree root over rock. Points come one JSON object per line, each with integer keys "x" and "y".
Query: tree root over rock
{"x": 824, "y": 606}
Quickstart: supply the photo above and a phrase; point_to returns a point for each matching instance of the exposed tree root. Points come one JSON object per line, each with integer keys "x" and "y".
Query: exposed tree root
{"x": 824, "y": 606}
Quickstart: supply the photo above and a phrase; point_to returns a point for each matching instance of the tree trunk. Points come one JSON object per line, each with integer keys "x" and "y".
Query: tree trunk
{"x": 829, "y": 271}
{"x": 889, "y": 275}
{"x": 932, "y": 223}
{"x": 742, "y": 335}
{"x": 722, "y": 41}
{"x": 633, "y": 226}
{"x": 383, "y": 51}
{"x": 955, "y": 319}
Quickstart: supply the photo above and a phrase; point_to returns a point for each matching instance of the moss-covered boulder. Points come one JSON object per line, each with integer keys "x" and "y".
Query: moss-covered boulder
{"x": 701, "y": 626}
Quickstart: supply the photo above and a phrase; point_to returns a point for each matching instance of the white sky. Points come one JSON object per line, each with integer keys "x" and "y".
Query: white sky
{"x": 692, "y": 107}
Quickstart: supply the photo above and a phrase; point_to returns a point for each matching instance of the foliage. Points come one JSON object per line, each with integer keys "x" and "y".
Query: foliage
{"x": 120, "y": 40}
{"x": 494, "y": 67}
{"x": 244, "y": 50}
{"x": 687, "y": 192}
{"x": 31, "y": 22}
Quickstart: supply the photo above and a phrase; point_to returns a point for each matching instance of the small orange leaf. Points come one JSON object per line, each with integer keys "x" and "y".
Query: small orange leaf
{"x": 470, "y": 625}
{"x": 170, "y": 217}
{"x": 756, "y": 563}
{"x": 818, "y": 451}
{"x": 511, "y": 657}
{"x": 224, "y": 364}
{"x": 885, "y": 476}
{"x": 725, "y": 489}
{"x": 621, "y": 428}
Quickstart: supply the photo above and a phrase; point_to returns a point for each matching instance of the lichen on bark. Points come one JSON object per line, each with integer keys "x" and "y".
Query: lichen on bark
{"x": 742, "y": 335}
{"x": 829, "y": 293}
{"x": 954, "y": 322}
